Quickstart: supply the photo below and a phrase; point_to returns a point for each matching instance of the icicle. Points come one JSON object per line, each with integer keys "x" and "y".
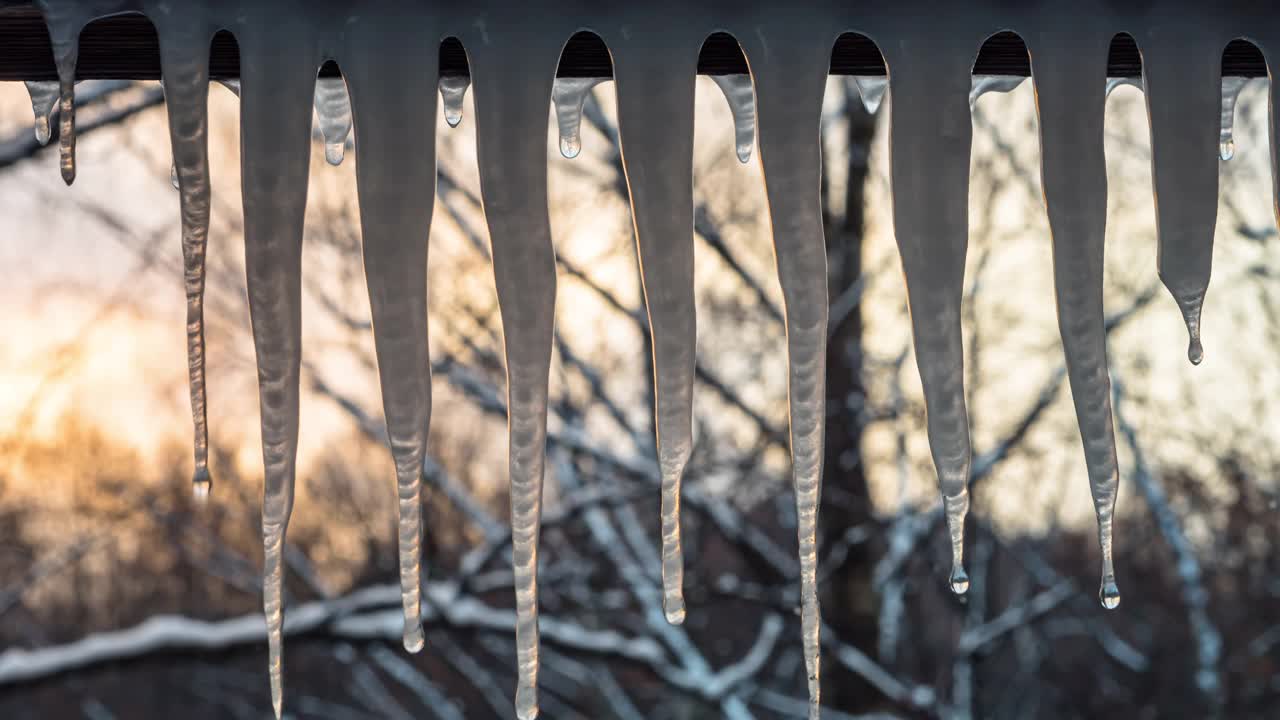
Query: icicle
{"x": 393, "y": 100}
{"x": 1115, "y": 82}
{"x": 453, "y": 90}
{"x": 185, "y": 68}
{"x": 1182, "y": 73}
{"x": 655, "y": 124}
{"x": 279, "y": 74}
{"x": 232, "y": 85}
{"x": 1071, "y": 103}
{"x": 513, "y": 68}
{"x": 333, "y": 111}
{"x": 871, "y": 89}
{"x": 67, "y": 126}
{"x": 789, "y": 108}
{"x": 568, "y": 95}
{"x": 741, "y": 96}
{"x": 983, "y": 84}
{"x": 64, "y": 20}
{"x": 1231, "y": 87}
{"x": 930, "y": 136}
{"x": 44, "y": 99}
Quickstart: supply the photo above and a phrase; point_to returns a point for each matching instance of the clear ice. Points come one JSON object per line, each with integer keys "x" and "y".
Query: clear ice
{"x": 983, "y": 84}
{"x": 453, "y": 90}
{"x": 333, "y": 113}
{"x": 388, "y": 53}
{"x": 741, "y": 97}
{"x": 1231, "y": 87}
{"x": 568, "y": 96}
{"x": 44, "y": 100}
{"x": 871, "y": 88}
{"x": 655, "y": 90}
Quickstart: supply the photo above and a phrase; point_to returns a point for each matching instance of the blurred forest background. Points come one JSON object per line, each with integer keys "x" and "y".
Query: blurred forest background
{"x": 99, "y": 534}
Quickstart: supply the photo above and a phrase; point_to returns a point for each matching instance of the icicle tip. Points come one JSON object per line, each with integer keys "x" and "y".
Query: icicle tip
{"x": 201, "y": 485}
{"x": 1195, "y": 351}
{"x": 959, "y": 580}
{"x": 526, "y": 702}
{"x": 673, "y": 608}
{"x": 570, "y": 147}
{"x": 413, "y": 638}
{"x": 1109, "y": 594}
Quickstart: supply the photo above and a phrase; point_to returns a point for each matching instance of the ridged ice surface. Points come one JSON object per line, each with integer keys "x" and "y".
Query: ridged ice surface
{"x": 568, "y": 96}
{"x": 388, "y": 54}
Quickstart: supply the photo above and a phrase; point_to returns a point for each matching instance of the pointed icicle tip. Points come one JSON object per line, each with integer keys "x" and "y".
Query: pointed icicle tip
{"x": 959, "y": 580}
{"x": 526, "y": 702}
{"x": 1109, "y": 593}
{"x": 1191, "y": 307}
{"x": 871, "y": 89}
{"x": 569, "y": 95}
{"x": 453, "y": 90}
{"x": 740, "y": 94}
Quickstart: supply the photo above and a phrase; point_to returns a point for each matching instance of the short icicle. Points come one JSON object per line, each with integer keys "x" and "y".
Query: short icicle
{"x": 1231, "y": 87}
{"x": 871, "y": 88}
{"x": 279, "y": 73}
{"x": 453, "y": 91}
{"x": 789, "y": 112}
{"x": 184, "y": 61}
{"x": 393, "y": 99}
{"x": 930, "y": 137}
{"x": 1182, "y": 73}
{"x": 568, "y": 95}
{"x": 1071, "y": 102}
{"x": 740, "y": 95}
{"x": 655, "y": 125}
{"x": 44, "y": 100}
{"x": 513, "y": 74}
{"x": 333, "y": 112}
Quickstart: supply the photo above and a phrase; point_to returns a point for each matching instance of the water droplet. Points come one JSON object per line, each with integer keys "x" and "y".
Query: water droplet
{"x": 453, "y": 90}
{"x": 333, "y": 109}
{"x": 44, "y": 100}
{"x": 1195, "y": 351}
{"x": 569, "y": 95}
{"x": 1231, "y": 87}
{"x": 1109, "y": 594}
{"x": 959, "y": 580}
{"x": 741, "y": 96}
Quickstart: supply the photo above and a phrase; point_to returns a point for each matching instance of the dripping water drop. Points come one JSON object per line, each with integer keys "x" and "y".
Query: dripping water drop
{"x": 333, "y": 110}
{"x": 1109, "y": 593}
{"x": 1231, "y": 87}
{"x": 959, "y": 580}
{"x": 569, "y": 95}
{"x": 44, "y": 100}
{"x": 453, "y": 89}
{"x": 1195, "y": 351}
{"x": 741, "y": 96}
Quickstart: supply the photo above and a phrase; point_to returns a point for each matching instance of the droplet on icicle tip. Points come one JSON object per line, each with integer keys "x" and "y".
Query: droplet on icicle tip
{"x": 569, "y": 96}
{"x": 453, "y": 90}
{"x": 1195, "y": 351}
{"x": 959, "y": 580}
{"x": 44, "y": 99}
{"x": 673, "y": 608}
{"x": 1231, "y": 87}
{"x": 201, "y": 485}
{"x": 1109, "y": 593}
{"x": 413, "y": 638}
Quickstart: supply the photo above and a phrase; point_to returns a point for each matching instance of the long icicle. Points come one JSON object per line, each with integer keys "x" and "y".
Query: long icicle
{"x": 1182, "y": 74}
{"x": 513, "y": 74}
{"x": 655, "y": 124}
{"x": 278, "y": 83}
{"x": 393, "y": 102}
{"x": 789, "y": 115}
{"x": 1071, "y": 102}
{"x": 184, "y": 58}
{"x": 65, "y": 20}
{"x": 929, "y": 137}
